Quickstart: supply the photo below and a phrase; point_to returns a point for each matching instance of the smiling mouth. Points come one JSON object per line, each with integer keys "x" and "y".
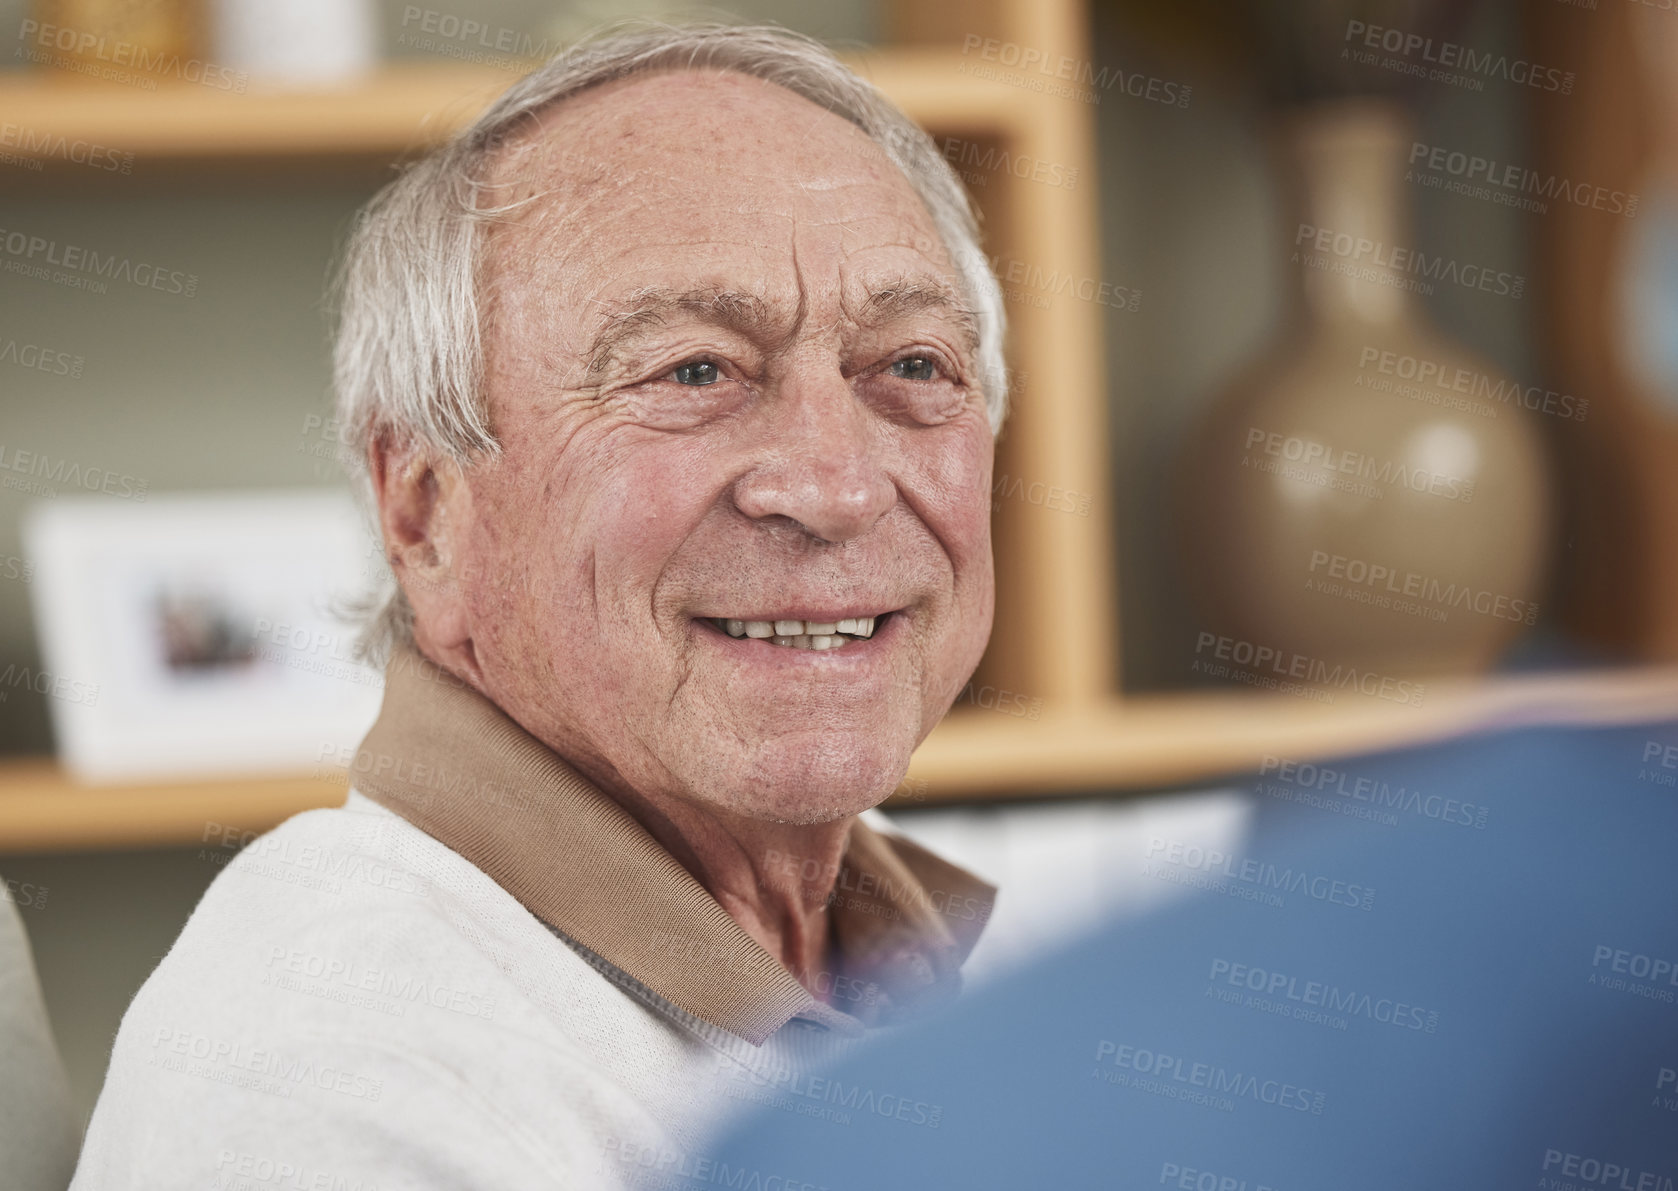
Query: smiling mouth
{"x": 802, "y": 634}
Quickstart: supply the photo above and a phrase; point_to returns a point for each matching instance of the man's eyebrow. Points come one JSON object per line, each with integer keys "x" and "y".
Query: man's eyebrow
{"x": 902, "y": 298}
{"x": 630, "y": 317}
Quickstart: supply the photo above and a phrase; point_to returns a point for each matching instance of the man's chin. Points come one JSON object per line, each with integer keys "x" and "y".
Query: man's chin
{"x": 805, "y": 815}
{"x": 820, "y": 788}
{"x": 803, "y": 810}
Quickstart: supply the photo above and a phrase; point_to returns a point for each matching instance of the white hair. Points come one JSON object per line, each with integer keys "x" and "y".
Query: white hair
{"x": 408, "y": 358}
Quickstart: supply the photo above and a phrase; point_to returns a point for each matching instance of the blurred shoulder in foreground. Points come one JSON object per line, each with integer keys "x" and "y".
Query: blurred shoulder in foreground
{"x": 1455, "y": 966}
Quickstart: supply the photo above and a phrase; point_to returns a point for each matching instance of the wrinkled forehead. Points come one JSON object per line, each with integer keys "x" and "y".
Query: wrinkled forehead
{"x": 719, "y": 177}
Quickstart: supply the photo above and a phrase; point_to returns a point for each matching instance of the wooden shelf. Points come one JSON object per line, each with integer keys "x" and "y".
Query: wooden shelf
{"x": 395, "y": 112}
{"x": 1165, "y": 740}
{"x": 43, "y": 810}
{"x": 401, "y": 109}
{"x": 973, "y": 754}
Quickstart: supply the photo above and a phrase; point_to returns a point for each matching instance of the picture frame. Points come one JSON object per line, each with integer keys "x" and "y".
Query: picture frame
{"x": 202, "y": 634}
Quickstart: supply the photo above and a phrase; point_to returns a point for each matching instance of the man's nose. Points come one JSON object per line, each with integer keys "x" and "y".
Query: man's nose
{"x": 821, "y": 461}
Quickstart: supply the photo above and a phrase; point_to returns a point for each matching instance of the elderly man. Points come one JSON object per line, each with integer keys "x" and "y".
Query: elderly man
{"x": 677, "y": 377}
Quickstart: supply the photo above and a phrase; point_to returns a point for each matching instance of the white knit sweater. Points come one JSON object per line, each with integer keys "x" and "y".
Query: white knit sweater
{"x": 354, "y": 1006}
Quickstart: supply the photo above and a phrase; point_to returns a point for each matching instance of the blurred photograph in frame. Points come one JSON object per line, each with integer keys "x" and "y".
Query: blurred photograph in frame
{"x": 202, "y": 634}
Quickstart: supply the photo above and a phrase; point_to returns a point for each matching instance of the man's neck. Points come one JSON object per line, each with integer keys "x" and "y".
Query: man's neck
{"x": 774, "y": 879}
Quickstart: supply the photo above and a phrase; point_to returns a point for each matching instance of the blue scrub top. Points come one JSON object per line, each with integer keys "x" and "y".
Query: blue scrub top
{"x": 1451, "y": 968}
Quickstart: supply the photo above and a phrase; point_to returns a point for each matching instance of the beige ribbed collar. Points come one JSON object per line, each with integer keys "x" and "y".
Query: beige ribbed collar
{"x": 455, "y": 765}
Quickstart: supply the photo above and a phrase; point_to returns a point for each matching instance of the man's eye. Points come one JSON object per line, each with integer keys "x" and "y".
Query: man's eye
{"x": 698, "y": 372}
{"x": 915, "y": 368}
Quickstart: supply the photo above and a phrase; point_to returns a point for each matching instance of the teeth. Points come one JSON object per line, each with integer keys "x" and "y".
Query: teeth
{"x": 801, "y": 634}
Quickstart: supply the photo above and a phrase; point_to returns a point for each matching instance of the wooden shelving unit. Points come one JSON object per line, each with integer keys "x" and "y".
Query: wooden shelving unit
{"x": 1056, "y": 612}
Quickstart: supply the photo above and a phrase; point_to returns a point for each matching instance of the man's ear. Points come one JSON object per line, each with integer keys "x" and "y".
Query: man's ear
{"x": 425, "y": 515}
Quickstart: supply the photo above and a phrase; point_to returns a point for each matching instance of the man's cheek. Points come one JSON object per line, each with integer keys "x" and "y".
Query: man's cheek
{"x": 948, "y": 474}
